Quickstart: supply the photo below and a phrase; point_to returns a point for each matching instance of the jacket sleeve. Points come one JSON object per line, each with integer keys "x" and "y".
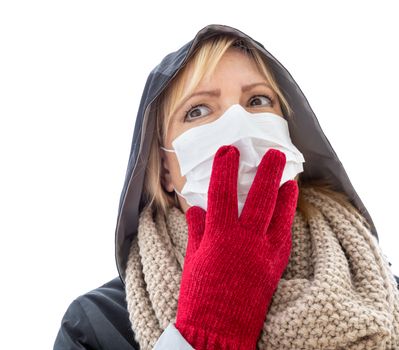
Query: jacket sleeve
{"x": 172, "y": 339}
{"x": 76, "y": 332}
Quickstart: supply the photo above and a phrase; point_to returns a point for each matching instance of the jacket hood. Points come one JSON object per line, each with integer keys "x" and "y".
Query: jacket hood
{"x": 306, "y": 134}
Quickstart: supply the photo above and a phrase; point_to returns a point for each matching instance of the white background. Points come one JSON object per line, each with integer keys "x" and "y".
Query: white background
{"x": 71, "y": 78}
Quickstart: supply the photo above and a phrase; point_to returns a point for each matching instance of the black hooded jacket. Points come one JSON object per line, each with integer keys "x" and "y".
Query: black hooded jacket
{"x": 99, "y": 319}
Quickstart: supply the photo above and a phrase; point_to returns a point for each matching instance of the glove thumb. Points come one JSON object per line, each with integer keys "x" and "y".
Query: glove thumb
{"x": 195, "y": 217}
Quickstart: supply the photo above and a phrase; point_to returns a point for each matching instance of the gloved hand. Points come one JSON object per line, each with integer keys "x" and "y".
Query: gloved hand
{"x": 233, "y": 264}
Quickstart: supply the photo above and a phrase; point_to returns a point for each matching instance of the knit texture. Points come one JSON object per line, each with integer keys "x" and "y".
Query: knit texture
{"x": 337, "y": 292}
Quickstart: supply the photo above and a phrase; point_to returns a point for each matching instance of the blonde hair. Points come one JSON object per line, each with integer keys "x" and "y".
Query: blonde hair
{"x": 202, "y": 63}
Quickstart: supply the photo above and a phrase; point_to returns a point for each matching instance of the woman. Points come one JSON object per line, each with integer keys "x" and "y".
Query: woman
{"x": 223, "y": 239}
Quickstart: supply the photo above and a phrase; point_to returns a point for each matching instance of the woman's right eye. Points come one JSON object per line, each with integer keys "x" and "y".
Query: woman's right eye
{"x": 194, "y": 112}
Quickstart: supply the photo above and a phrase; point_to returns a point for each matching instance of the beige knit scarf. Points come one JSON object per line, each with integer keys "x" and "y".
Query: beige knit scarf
{"x": 337, "y": 292}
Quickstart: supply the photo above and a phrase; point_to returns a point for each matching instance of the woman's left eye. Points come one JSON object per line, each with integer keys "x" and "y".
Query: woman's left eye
{"x": 258, "y": 98}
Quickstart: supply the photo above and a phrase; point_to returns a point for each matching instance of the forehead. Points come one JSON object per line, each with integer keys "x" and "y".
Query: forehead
{"x": 233, "y": 65}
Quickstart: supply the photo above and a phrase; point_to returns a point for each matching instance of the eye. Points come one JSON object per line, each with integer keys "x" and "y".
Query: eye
{"x": 258, "y": 100}
{"x": 194, "y": 112}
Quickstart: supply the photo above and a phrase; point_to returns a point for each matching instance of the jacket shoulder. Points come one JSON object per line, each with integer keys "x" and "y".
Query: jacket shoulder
{"x": 97, "y": 319}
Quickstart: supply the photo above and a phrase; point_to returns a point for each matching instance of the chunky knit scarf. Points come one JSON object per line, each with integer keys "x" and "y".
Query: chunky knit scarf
{"x": 337, "y": 292}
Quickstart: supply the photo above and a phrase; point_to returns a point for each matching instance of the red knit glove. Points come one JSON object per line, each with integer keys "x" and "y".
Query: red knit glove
{"x": 233, "y": 264}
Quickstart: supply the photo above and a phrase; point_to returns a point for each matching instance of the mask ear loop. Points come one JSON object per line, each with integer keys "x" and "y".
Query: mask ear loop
{"x": 167, "y": 150}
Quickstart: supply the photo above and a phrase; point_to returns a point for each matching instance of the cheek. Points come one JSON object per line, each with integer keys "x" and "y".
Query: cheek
{"x": 174, "y": 170}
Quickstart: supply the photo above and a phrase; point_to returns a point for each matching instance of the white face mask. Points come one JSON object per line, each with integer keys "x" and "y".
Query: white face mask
{"x": 252, "y": 133}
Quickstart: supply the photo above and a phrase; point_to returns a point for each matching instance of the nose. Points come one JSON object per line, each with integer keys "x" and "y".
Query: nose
{"x": 226, "y": 105}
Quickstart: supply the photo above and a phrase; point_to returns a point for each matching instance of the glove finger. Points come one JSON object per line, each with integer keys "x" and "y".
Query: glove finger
{"x": 195, "y": 217}
{"x": 279, "y": 230}
{"x": 222, "y": 208}
{"x": 261, "y": 200}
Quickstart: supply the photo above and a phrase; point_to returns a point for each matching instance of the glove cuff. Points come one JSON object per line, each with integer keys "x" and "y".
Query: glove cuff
{"x": 201, "y": 339}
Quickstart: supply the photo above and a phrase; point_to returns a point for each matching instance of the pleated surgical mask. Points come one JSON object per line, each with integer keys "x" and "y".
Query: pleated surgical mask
{"x": 252, "y": 133}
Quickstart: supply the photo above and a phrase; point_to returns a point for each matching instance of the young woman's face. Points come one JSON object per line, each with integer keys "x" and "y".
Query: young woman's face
{"x": 236, "y": 80}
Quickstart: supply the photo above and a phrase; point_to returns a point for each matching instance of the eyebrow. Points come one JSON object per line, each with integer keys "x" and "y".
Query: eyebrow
{"x": 216, "y": 93}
